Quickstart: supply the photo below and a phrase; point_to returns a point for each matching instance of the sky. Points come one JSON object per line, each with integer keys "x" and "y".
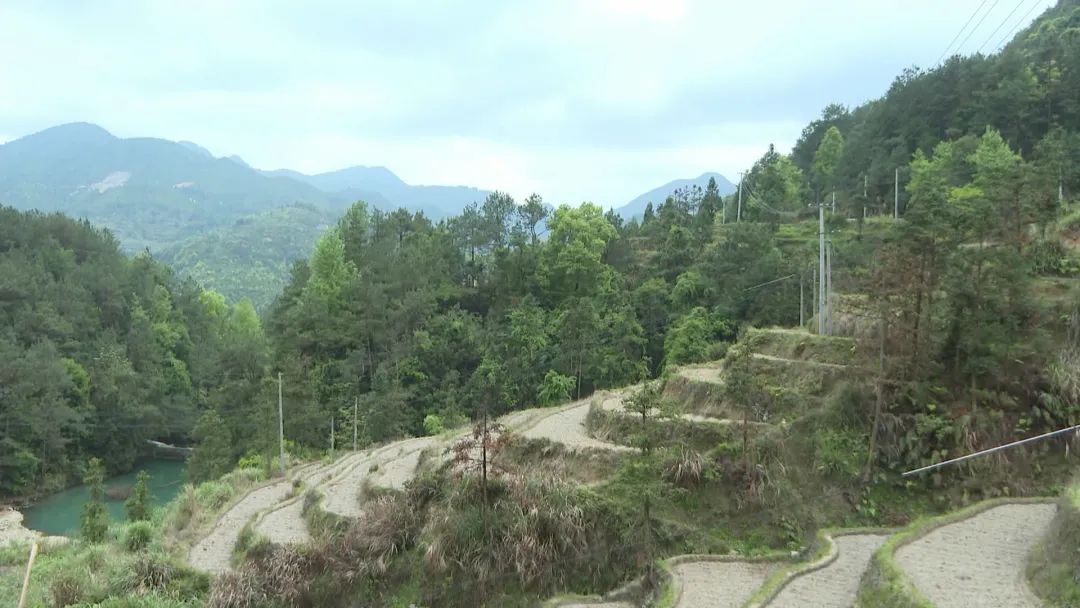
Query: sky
{"x": 596, "y": 100}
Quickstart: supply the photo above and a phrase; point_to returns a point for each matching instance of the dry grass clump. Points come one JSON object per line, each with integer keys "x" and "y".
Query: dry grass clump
{"x": 686, "y": 469}
{"x": 539, "y": 533}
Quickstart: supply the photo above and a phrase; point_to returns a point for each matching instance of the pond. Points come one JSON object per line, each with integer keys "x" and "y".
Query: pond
{"x": 59, "y": 513}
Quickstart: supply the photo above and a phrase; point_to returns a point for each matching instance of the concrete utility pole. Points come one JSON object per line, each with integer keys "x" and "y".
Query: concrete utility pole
{"x": 280, "y": 424}
{"x": 896, "y": 195}
{"x": 828, "y": 288}
{"x": 355, "y": 408}
{"x": 738, "y": 210}
{"x": 864, "y": 197}
{"x": 801, "y": 321}
{"x": 834, "y": 201}
{"x": 822, "y": 301}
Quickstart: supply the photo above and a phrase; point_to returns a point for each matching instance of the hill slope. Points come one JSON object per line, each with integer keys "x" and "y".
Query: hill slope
{"x": 384, "y": 190}
{"x": 149, "y": 192}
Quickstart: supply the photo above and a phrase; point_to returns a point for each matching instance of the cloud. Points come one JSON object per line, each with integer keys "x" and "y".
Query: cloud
{"x": 575, "y": 99}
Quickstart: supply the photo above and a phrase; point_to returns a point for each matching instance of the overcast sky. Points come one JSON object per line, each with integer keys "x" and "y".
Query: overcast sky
{"x": 575, "y": 99}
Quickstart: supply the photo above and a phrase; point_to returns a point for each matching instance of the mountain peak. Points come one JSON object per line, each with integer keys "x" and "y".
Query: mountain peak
{"x": 636, "y": 207}
{"x": 72, "y": 133}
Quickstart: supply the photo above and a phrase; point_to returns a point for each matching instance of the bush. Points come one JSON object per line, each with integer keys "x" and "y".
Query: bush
{"x": 555, "y": 388}
{"x": 94, "y": 524}
{"x": 433, "y": 424}
{"x": 138, "y": 505}
{"x": 67, "y": 588}
{"x": 139, "y": 534}
{"x": 685, "y": 469}
{"x": 838, "y": 452}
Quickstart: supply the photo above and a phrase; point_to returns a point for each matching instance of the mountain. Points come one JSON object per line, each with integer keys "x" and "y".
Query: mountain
{"x": 382, "y": 189}
{"x": 636, "y": 207}
{"x": 236, "y": 228}
{"x": 251, "y": 257}
{"x": 149, "y": 192}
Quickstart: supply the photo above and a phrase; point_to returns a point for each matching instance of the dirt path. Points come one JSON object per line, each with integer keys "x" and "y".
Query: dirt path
{"x": 616, "y": 404}
{"x": 713, "y": 375}
{"x": 835, "y": 585}
{"x": 799, "y": 361}
{"x": 979, "y": 561}
{"x": 567, "y": 426}
{"x": 214, "y": 552}
{"x": 284, "y": 523}
{"x": 400, "y": 465}
{"x": 715, "y": 584}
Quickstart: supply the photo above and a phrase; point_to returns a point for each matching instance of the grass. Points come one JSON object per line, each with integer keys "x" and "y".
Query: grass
{"x": 802, "y": 346}
{"x": 885, "y": 584}
{"x": 1054, "y": 565}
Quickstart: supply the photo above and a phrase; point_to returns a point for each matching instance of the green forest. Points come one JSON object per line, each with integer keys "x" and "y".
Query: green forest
{"x": 436, "y": 321}
{"x": 950, "y": 209}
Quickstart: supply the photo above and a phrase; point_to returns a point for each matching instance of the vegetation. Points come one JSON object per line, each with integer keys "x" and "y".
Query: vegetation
{"x": 95, "y": 519}
{"x": 960, "y": 325}
{"x": 99, "y": 352}
{"x": 1055, "y": 562}
{"x": 138, "y": 504}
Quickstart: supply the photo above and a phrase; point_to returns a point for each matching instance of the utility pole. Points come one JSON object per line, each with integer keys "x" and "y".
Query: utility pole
{"x": 828, "y": 288}
{"x": 1061, "y": 190}
{"x": 355, "y": 408}
{"x": 821, "y": 269}
{"x": 280, "y": 424}
{"x": 738, "y": 211}
{"x": 864, "y": 197}
{"x": 834, "y": 201}
{"x": 896, "y": 195}
{"x": 801, "y": 320}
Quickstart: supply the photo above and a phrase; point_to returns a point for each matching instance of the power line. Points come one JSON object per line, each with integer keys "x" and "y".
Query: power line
{"x": 1001, "y": 43}
{"x": 1072, "y": 429}
{"x": 966, "y": 23}
{"x": 976, "y": 28}
{"x": 998, "y": 28}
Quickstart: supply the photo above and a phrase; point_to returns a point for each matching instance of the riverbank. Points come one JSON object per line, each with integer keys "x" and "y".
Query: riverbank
{"x": 12, "y": 529}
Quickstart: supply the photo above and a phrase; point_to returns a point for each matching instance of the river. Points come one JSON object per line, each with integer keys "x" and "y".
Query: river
{"x": 59, "y": 513}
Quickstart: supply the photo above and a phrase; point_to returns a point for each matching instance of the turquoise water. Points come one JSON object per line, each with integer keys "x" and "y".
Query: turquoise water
{"x": 59, "y": 513}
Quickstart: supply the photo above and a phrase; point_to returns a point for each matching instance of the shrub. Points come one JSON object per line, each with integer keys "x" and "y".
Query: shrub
{"x": 838, "y": 452}
{"x": 138, "y": 505}
{"x": 67, "y": 588}
{"x": 94, "y": 523}
{"x": 433, "y": 424}
{"x": 139, "y": 534}
{"x": 686, "y": 469}
{"x": 555, "y": 388}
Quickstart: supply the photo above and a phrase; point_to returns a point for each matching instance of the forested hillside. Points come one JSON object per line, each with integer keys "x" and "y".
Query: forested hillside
{"x": 1028, "y": 92}
{"x": 99, "y": 352}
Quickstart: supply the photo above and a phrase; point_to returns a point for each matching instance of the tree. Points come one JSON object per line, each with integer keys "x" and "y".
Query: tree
{"x": 137, "y": 505}
{"x": 744, "y": 388}
{"x": 826, "y": 160}
{"x": 572, "y": 261}
{"x": 555, "y": 388}
{"x": 94, "y": 523}
{"x": 213, "y": 455}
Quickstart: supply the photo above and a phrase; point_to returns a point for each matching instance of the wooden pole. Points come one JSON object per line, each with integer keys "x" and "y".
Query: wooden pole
{"x": 26, "y": 577}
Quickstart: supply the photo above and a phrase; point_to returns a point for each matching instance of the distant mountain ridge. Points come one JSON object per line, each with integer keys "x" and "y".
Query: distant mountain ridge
{"x": 183, "y": 203}
{"x": 636, "y": 207}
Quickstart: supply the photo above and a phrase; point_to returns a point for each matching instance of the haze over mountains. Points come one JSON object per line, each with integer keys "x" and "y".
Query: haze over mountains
{"x": 233, "y": 227}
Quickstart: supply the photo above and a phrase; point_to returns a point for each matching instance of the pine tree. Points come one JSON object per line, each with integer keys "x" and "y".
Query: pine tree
{"x": 95, "y": 518}
{"x": 138, "y": 504}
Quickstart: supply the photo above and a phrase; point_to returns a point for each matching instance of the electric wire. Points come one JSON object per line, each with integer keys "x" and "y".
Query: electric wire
{"x": 1000, "y": 25}
{"x": 957, "y": 36}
